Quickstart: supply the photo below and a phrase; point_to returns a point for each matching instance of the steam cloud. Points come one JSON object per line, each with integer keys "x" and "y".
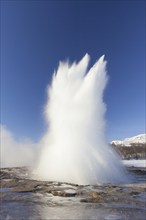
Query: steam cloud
{"x": 16, "y": 153}
{"x": 74, "y": 148}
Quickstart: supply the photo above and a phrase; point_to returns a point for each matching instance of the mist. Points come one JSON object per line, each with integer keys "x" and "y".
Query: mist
{"x": 16, "y": 153}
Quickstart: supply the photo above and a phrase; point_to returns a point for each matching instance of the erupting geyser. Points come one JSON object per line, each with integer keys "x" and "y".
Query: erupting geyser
{"x": 74, "y": 148}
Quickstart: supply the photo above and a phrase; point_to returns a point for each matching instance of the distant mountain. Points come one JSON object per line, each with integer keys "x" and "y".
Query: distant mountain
{"x": 136, "y": 140}
{"x": 131, "y": 148}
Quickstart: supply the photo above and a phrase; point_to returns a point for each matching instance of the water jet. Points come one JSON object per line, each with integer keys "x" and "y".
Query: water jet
{"x": 74, "y": 147}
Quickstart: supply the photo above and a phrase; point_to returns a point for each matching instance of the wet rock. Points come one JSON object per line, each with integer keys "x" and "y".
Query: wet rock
{"x": 98, "y": 195}
{"x": 92, "y": 200}
{"x": 64, "y": 193}
{"x": 11, "y": 183}
{"x": 134, "y": 193}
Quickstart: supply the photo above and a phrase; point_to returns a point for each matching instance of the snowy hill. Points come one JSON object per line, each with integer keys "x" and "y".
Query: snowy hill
{"x": 127, "y": 142}
{"x": 131, "y": 148}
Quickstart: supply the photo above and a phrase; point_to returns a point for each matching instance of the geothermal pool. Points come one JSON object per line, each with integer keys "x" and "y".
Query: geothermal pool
{"x": 25, "y": 198}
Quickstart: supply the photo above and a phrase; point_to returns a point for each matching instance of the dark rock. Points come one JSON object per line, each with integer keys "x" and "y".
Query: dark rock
{"x": 135, "y": 151}
{"x": 63, "y": 193}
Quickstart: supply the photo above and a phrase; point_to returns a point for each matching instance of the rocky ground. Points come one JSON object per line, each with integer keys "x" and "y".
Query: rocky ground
{"x": 26, "y": 198}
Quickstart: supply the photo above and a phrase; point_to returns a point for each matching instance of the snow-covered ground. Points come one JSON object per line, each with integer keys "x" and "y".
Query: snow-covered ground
{"x": 135, "y": 163}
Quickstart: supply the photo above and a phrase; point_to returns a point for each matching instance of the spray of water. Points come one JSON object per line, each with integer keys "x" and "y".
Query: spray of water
{"x": 74, "y": 148}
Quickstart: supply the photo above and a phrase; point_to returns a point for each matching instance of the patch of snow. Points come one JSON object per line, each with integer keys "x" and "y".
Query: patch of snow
{"x": 71, "y": 191}
{"x": 135, "y": 163}
{"x": 7, "y": 180}
{"x": 67, "y": 186}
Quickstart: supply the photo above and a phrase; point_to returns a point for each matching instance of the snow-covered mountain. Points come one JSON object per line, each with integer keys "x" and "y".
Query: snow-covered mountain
{"x": 136, "y": 140}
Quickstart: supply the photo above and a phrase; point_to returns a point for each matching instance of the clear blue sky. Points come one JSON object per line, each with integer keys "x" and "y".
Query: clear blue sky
{"x": 35, "y": 35}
